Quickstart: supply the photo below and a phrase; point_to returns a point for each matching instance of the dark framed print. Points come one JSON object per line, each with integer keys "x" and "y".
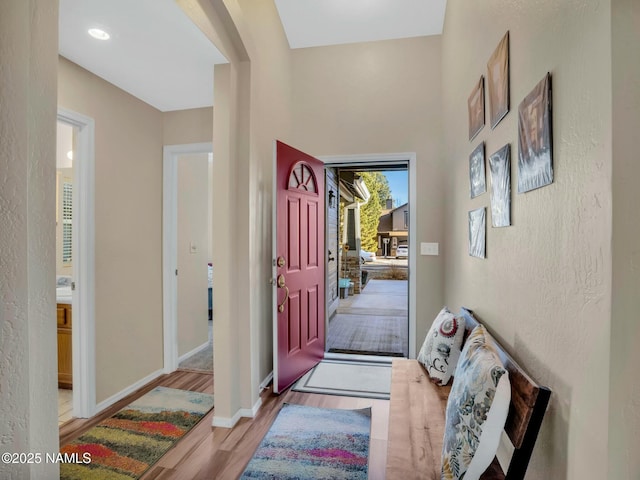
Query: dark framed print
{"x": 477, "y": 176}
{"x": 500, "y": 167}
{"x": 475, "y": 104}
{"x": 477, "y": 232}
{"x": 535, "y": 153}
{"x": 498, "y": 81}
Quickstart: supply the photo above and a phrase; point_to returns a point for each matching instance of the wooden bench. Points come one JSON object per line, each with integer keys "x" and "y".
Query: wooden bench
{"x": 417, "y": 420}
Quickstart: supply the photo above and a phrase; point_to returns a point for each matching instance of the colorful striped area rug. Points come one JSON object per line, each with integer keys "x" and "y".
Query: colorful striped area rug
{"x": 308, "y": 443}
{"x": 127, "y": 444}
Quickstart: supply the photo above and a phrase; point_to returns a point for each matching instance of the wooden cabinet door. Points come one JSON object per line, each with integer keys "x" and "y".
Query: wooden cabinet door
{"x": 62, "y": 313}
{"x": 65, "y": 371}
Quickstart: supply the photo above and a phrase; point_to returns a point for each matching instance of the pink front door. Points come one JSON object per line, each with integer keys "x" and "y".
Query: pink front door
{"x": 299, "y": 309}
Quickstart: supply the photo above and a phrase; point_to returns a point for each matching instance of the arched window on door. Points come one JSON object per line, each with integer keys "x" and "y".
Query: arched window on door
{"x": 302, "y": 178}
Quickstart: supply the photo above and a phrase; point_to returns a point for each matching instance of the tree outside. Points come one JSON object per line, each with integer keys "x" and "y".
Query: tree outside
{"x": 378, "y": 186}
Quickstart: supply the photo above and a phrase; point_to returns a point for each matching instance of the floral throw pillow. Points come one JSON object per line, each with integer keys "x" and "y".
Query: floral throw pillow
{"x": 441, "y": 348}
{"x": 477, "y": 409}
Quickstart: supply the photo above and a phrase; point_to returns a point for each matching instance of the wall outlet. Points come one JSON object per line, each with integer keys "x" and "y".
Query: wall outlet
{"x": 429, "y": 248}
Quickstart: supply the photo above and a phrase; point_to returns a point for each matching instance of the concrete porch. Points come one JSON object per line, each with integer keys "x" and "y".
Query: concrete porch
{"x": 374, "y": 322}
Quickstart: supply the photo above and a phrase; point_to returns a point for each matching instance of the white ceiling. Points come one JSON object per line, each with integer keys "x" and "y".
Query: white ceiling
{"x": 155, "y": 52}
{"x": 312, "y": 23}
{"x": 158, "y": 55}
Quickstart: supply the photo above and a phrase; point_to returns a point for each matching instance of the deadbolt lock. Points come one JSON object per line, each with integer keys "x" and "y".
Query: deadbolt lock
{"x": 281, "y": 262}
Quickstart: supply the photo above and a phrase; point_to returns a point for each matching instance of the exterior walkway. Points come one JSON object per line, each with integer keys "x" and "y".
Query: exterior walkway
{"x": 374, "y": 322}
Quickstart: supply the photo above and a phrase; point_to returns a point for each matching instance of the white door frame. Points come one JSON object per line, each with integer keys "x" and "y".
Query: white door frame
{"x": 83, "y": 247}
{"x": 171, "y": 153}
{"x": 381, "y": 159}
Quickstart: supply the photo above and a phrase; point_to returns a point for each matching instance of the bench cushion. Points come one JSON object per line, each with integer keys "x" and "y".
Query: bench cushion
{"x": 476, "y": 410}
{"x": 441, "y": 348}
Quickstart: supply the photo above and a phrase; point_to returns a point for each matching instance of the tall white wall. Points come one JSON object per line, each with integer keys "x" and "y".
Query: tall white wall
{"x": 128, "y": 235}
{"x": 28, "y": 373}
{"x": 624, "y": 417}
{"x": 187, "y": 126}
{"x": 381, "y": 97}
{"x": 252, "y": 109}
{"x": 545, "y": 286}
{"x": 130, "y": 135}
{"x": 270, "y": 118}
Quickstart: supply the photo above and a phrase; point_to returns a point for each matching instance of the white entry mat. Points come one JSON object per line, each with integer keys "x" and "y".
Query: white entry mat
{"x": 352, "y": 379}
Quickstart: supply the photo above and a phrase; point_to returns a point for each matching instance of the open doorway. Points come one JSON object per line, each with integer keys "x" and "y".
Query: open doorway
{"x": 368, "y": 262}
{"x": 187, "y": 257}
{"x": 64, "y": 267}
{"x": 195, "y": 267}
{"x": 75, "y": 262}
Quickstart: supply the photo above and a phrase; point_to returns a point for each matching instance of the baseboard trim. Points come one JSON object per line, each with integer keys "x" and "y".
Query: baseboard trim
{"x": 251, "y": 412}
{"x": 266, "y": 381}
{"x": 225, "y": 422}
{"x": 128, "y": 391}
{"x": 193, "y": 352}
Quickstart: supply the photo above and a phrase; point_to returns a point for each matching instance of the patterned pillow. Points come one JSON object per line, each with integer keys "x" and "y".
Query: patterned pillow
{"x": 441, "y": 348}
{"x": 476, "y": 410}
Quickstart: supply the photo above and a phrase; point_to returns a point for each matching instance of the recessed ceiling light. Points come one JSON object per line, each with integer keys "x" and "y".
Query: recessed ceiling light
{"x": 99, "y": 34}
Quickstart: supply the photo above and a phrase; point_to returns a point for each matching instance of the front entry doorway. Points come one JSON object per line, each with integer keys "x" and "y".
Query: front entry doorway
{"x": 302, "y": 311}
{"x": 368, "y": 232}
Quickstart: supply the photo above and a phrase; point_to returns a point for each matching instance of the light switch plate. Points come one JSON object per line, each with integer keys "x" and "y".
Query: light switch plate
{"x": 429, "y": 248}
{"x": 193, "y": 248}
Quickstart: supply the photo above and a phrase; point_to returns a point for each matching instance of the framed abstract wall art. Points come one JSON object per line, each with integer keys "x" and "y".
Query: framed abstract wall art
{"x": 535, "y": 155}
{"x": 477, "y": 176}
{"x": 500, "y": 167}
{"x": 475, "y": 105}
{"x": 477, "y": 232}
{"x": 498, "y": 81}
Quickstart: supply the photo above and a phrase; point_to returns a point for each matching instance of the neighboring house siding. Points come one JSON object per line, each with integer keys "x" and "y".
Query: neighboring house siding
{"x": 398, "y": 218}
{"x": 394, "y": 224}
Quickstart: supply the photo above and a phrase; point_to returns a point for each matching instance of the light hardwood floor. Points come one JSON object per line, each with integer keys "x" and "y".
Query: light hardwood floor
{"x": 208, "y": 452}
{"x": 65, "y": 405}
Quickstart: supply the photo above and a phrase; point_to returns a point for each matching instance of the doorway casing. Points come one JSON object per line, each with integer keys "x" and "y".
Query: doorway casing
{"x": 380, "y": 159}
{"x": 83, "y": 248}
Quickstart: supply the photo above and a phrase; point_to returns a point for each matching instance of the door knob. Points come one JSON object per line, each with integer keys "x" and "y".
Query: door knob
{"x": 281, "y": 284}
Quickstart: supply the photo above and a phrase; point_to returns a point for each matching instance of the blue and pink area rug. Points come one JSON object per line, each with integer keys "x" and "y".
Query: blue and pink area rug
{"x": 309, "y": 443}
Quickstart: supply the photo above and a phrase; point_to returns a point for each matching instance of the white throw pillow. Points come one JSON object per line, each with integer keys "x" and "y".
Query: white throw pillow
{"x": 441, "y": 348}
{"x": 477, "y": 409}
